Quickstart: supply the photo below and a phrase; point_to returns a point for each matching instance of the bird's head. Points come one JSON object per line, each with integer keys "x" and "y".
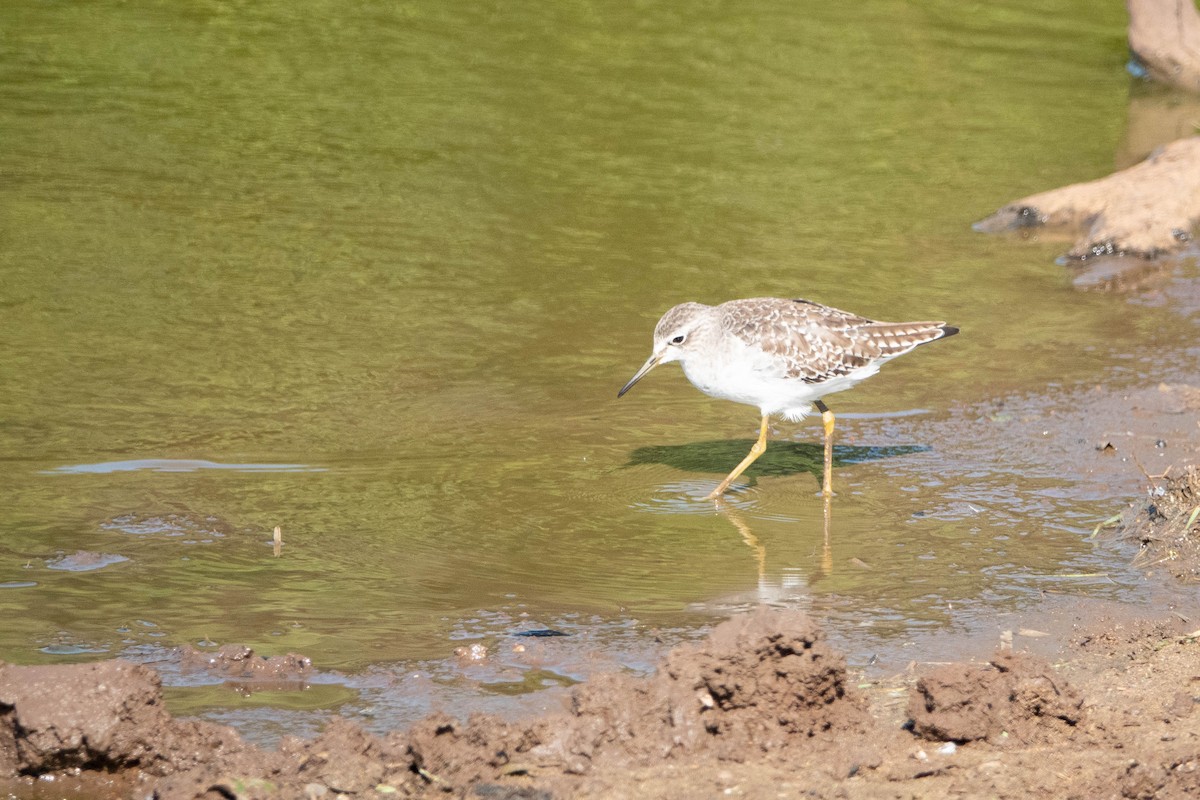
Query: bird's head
{"x": 674, "y": 336}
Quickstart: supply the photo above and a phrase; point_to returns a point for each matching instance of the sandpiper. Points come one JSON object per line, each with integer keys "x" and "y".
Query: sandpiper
{"x": 780, "y": 355}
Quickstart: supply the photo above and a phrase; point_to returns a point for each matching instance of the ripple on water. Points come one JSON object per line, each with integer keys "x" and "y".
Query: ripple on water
{"x": 786, "y": 500}
{"x": 691, "y": 497}
{"x": 173, "y": 465}
{"x": 70, "y": 649}
{"x": 85, "y": 561}
{"x": 195, "y": 527}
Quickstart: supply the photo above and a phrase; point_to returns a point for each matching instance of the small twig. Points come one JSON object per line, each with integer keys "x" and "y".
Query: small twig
{"x": 1170, "y": 556}
{"x": 1142, "y": 467}
{"x": 1113, "y": 520}
{"x": 429, "y": 776}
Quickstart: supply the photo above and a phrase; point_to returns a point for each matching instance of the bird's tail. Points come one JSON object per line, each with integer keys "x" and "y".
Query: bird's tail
{"x": 897, "y": 338}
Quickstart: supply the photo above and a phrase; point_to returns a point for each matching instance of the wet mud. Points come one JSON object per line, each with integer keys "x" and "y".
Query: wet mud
{"x": 763, "y": 707}
{"x": 1012, "y": 696}
{"x": 240, "y": 667}
{"x": 1167, "y": 524}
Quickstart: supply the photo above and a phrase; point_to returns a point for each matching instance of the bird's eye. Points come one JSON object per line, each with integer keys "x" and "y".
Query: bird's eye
{"x": 678, "y": 339}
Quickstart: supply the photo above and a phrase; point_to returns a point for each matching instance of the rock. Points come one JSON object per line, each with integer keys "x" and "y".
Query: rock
{"x": 1145, "y": 211}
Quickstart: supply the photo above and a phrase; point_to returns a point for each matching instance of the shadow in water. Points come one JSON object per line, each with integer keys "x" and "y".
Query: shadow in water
{"x": 780, "y": 459}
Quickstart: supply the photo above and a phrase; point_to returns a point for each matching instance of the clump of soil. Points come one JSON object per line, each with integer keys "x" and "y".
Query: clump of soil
{"x": 120, "y": 708}
{"x": 1012, "y": 697}
{"x": 760, "y": 682}
{"x": 104, "y": 717}
{"x": 240, "y": 665}
{"x": 1168, "y": 525}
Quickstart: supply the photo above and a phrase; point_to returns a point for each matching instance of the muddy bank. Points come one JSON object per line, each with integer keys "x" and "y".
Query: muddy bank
{"x": 763, "y": 707}
{"x": 762, "y": 683}
{"x": 1145, "y": 211}
{"x": 1166, "y": 525}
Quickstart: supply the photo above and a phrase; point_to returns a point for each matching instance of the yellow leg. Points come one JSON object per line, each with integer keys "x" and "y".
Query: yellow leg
{"x": 826, "y": 549}
{"x": 757, "y": 450}
{"x": 827, "y": 484}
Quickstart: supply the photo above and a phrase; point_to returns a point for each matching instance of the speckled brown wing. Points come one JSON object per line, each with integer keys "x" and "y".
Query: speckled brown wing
{"x": 815, "y": 343}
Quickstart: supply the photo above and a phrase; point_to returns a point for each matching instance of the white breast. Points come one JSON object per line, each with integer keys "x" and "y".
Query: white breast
{"x": 749, "y": 376}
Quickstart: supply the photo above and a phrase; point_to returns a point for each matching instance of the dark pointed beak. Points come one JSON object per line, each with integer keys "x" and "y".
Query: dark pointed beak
{"x": 650, "y": 364}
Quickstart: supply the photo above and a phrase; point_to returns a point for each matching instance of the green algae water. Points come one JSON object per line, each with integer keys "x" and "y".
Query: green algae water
{"x": 374, "y": 273}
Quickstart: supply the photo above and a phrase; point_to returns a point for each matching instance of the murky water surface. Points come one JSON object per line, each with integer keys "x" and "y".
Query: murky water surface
{"x": 374, "y": 274}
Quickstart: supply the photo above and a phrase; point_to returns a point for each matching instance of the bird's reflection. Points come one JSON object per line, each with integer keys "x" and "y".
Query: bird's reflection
{"x": 742, "y": 525}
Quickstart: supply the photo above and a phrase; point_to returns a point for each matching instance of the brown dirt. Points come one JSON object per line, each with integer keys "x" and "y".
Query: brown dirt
{"x": 243, "y": 669}
{"x": 1012, "y": 696}
{"x": 1167, "y": 525}
{"x": 763, "y": 708}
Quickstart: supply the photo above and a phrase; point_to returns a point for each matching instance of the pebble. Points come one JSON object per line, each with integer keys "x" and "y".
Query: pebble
{"x": 475, "y": 652}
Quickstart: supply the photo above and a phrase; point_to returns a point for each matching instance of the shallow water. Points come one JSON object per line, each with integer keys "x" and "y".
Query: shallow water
{"x": 374, "y": 275}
